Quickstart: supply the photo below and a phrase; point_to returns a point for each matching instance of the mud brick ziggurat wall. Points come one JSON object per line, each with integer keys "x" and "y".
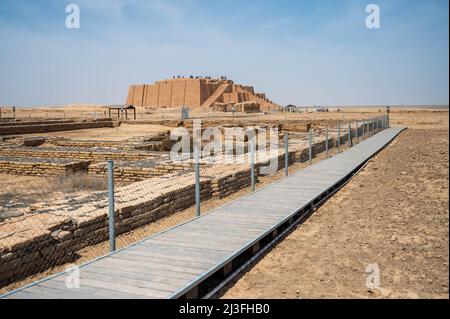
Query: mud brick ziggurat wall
{"x": 195, "y": 93}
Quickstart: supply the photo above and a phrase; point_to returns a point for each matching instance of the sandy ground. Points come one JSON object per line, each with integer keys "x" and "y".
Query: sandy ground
{"x": 120, "y": 133}
{"x": 394, "y": 214}
{"x": 98, "y": 111}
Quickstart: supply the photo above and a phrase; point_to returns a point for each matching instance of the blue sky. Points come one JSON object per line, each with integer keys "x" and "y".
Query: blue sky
{"x": 300, "y": 52}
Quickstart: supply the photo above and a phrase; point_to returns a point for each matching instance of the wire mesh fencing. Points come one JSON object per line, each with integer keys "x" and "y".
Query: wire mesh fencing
{"x": 46, "y": 223}
{"x": 49, "y": 224}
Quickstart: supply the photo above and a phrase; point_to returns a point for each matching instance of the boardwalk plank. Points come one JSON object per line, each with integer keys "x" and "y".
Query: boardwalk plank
{"x": 100, "y": 289}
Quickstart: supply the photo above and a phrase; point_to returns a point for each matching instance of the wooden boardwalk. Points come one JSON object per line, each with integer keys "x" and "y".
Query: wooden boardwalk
{"x": 178, "y": 262}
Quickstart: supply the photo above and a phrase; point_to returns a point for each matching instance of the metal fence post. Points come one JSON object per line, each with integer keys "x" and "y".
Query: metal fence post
{"x": 286, "y": 154}
{"x": 252, "y": 162}
{"x": 112, "y": 230}
{"x": 326, "y": 143}
{"x": 197, "y": 181}
{"x": 363, "y": 128}
{"x": 349, "y": 135}
{"x": 339, "y": 137}
{"x": 357, "y": 133}
{"x": 310, "y": 146}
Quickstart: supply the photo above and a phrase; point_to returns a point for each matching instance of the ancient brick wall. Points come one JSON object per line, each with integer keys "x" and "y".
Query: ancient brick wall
{"x": 130, "y": 96}
{"x": 135, "y": 174}
{"x": 165, "y": 94}
{"x": 192, "y": 94}
{"x": 25, "y": 167}
{"x": 98, "y": 154}
{"x": 152, "y": 95}
{"x": 43, "y": 128}
{"x": 178, "y": 92}
{"x": 139, "y": 95}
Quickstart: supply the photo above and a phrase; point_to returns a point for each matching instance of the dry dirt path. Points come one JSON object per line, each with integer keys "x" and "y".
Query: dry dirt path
{"x": 395, "y": 213}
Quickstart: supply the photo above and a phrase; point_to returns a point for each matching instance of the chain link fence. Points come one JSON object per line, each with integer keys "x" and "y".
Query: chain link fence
{"x": 72, "y": 218}
{"x": 45, "y": 223}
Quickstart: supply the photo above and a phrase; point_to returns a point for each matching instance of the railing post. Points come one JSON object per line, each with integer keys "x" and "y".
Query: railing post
{"x": 357, "y": 133}
{"x": 286, "y": 154}
{"x": 339, "y": 137}
{"x": 310, "y": 146}
{"x": 112, "y": 229}
{"x": 252, "y": 163}
{"x": 349, "y": 135}
{"x": 326, "y": 143}
{"x": 197, "y": 181}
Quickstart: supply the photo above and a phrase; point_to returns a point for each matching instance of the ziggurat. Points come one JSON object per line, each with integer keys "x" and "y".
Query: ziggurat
{"x": 197, "y": 93}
